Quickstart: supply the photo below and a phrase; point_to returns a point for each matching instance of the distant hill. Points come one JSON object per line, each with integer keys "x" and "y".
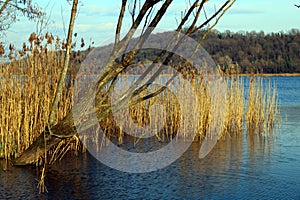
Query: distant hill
{"x": 255, "y": 51}
{"x": 250, "y": 52}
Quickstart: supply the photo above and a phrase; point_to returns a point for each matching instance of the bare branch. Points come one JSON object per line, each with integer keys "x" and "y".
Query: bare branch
{"x": 186, "y": 17}
{"x": 217, "y": 20}
{"x": 212, "y": 17}
{"x": 4, "y": 6}
{"x": 9, "y": 11}
{"x": 147, "y": 19}
{"x": 30, "y": 11}
{"x": 196, "y": 17}
{"x": 106, "y": 76}
{"x": 63, "y": 21}
{"x": 132, "y": 11}
{"x": 120, "y": 21}
{"x": 43, "y": 22}
{"x": 142, "y": 39}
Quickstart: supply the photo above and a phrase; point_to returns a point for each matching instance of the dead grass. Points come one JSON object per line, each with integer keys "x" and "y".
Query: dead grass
{"x": 227, "y": 107}
{"x": 28, "y": 85}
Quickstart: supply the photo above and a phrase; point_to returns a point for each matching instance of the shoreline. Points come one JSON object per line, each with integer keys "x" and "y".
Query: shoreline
{"x": 262, "y": 75}
{"x": 268, "y": 75}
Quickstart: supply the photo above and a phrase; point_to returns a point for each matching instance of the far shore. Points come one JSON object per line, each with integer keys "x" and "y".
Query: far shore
{"x": 279, "y": 74}
{"x": 263, "y": 74}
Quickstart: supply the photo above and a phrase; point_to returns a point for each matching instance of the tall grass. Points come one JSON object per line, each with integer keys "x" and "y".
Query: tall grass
{"x": 27, "y": 88}
{"x": 228, "y": 107}
{"x": 262, "y": 108}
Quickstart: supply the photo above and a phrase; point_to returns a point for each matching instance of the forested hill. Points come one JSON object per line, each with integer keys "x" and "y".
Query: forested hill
{"x": 255, "y": 51}
{"x": 249, "y": 52}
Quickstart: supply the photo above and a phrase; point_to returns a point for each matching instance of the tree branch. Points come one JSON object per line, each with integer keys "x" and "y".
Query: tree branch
{"x": 60, "y": 85}
{"x": 120, "y": 21}
{"x": 212, "y": 17}
{"x": 4, "y": 6}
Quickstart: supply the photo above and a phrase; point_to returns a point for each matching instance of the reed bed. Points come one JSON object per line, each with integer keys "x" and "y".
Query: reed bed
{"x": 262, "y": 108}
{"x": 27, "y": 86}
{"x": 225, "y": 109}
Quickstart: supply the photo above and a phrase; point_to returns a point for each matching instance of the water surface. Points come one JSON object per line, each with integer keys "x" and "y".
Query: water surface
{"x": 241, "y": 168}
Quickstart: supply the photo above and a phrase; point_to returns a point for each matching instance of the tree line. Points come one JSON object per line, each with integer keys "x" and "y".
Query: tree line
{"x": 254, "y": 52}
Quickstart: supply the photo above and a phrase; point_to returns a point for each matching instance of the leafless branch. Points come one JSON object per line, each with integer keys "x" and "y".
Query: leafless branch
{"x": 120, "y": 21}
{"x": 4, "y": 6}
{"x": 212, "y": 17}
{"x": 133, "y": 10}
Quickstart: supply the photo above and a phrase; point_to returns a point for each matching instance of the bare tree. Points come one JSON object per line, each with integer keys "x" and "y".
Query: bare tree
{"x": 59, "y": 89}
{"x": 66, "y": 64}
{"x": 11, "y": 10}
{"x": 147, "y": 18}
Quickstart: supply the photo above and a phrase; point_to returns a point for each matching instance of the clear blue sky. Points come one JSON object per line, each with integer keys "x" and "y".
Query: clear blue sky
{"x": 97, "y": 19}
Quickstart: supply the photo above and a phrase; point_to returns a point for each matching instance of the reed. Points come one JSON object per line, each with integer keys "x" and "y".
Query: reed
{"x": 262, "y": 108}
{"x": 29, "y": 79}
{"x": 27, "y": 87}
{"x": 235, "y": 103}
{"x": 228, "y": 107}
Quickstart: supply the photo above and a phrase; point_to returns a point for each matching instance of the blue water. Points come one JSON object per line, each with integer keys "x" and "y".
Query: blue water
{"x": 241, "y": 168}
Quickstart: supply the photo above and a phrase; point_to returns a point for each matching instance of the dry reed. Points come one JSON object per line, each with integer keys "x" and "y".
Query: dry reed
{"x": 224, "y": 108}
{"x": 27, "y": 87}
{"x": 28, "y": 82}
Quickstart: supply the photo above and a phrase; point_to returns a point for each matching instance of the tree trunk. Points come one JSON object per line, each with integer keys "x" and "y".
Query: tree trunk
{"x": 62, "y": 78}
{"x": 62, "y": 130}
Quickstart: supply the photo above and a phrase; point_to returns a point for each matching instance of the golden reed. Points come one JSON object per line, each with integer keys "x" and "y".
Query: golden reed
{"x": 28, "y": 82}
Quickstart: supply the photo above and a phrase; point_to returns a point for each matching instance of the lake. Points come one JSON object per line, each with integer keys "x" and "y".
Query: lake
{"x": 241, "y": 168}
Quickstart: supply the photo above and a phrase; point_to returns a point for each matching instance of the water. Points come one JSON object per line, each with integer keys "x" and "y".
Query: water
{"x": 242, "y": 168}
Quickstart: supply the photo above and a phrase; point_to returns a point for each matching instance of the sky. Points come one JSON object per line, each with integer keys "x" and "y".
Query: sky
{"x": 96, "y": 20}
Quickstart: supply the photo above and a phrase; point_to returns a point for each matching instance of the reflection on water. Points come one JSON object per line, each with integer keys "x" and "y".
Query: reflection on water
{"x": 237, "y": 167}
{"x": 243, "y": 167}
